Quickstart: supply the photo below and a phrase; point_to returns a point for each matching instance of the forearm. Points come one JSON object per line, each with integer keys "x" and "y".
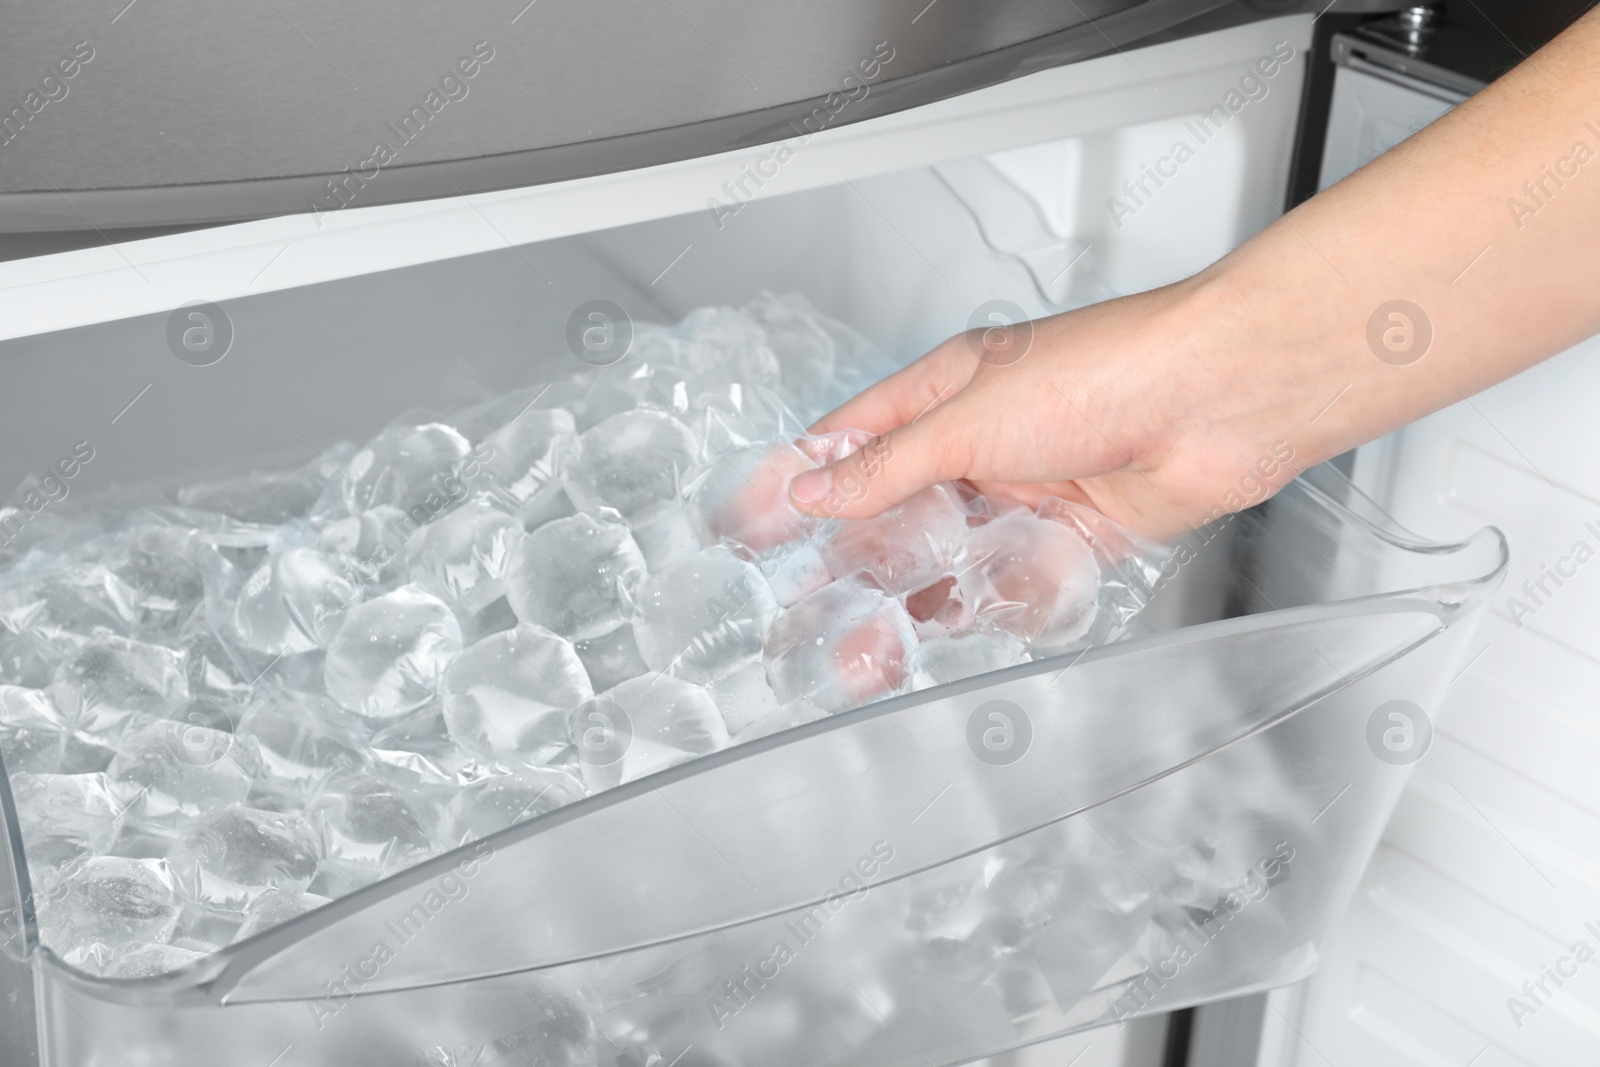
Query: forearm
{"x": 1488, "y": 221}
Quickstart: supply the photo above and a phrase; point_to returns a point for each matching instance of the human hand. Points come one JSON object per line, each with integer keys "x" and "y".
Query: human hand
{"x": 1169, "y": 408}
{"x": 1144, "y": 408}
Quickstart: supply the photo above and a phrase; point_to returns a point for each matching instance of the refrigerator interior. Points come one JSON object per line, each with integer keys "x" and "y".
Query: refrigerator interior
{"x": 1484, "y": 879}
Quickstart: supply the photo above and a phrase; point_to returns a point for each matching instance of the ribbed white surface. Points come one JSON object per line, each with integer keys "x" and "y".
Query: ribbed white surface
{"x": 1490, "y": 870}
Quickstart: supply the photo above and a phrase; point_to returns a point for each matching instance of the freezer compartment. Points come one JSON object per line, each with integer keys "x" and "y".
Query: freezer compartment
{"x": 942, "y": 876}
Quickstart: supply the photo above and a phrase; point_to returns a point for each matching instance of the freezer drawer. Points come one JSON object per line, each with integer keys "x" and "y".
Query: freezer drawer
{"x": 1171, "y": 819}
{"x": 1163, "y": 821}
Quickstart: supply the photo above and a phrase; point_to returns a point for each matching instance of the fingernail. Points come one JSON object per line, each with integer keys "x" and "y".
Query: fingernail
{"x": 809, "y": 487}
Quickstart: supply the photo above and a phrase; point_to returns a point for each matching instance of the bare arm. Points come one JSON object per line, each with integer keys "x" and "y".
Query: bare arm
{"x": 1153, "y": 407}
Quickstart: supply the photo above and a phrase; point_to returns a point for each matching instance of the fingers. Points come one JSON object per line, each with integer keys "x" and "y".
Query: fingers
{"x": 887, "y": 470}
{"x": 906, "y": 394}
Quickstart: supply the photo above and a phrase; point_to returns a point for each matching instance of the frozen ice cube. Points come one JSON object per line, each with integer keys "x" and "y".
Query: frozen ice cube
{"x": 367, "y": 828}
{"x": 630, "y": 462}
{"x": 904, "y": 548}
{"x": 611, "y": 658}
{"x": 273, "y": 907}
{"x": 941, "y": 660}
{"x": 742, "y": 497}
{"x": 644, "y": 725}
{"x": 112, "y": 677}
{"x": 794, "y": 571}
{"x": 111, "y": 901}
{"x": 33, "y": 735}
{"x": 416, "y": 751}
{"x": 371, "y": 543}
{"x": 165, "y": 771}
{"x": 462, "y": 557}
{"x": 84, "y": 594}
{"x": 744, "y": 697}
{"x": 704, "y": 617}
{"x": 165, "y": 573}
{"x": 300, "y": 740}
{"x": 509, "y": 695}
{"x": 293, "y": 602}
{"x": 840, "y": 647}
{"x": 806, "y": 354}
{"x": 148, "y": 960}
{"x": 390, "y": 654}
{"x": 218, "y": 670}
{"x": 528, "y": 452}
{"x": 1032, "y": 577}
{"x": 795, "y": 713}
{"x": 665, "y": 536}
{"x": 30, "y": 656}
{"x": 500, "y": 800}
{"x": 734, "y": 417}
{"x": 407, "y": 467}
{"x": 722, "y": 344}
{"x": 576, "y": 576}
{"x": 271, "y": 498}
{"x": 228, "y": 857}
{"x": 65, "y": 817}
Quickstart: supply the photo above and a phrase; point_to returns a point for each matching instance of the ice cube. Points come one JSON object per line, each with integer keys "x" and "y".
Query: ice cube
{"x": 228, "y": 857}
{"x": 372, "y": 543}
{"x": 300, "y": 740}
{"x": 576, "y": 576}
{"x": 1031, "y": 577}
{"x": 408, "y": 467}
{"x": 111, "y": 901}
{"x": 742, "y": 497}
{"x": 611, "y": 658}
{"x": 644, "y": 725}
{"x": 166, "y": 572}
{"x": 30, "y": 657}
{"x": 148, "y": 961}
{"x": 665, "y": 536}
{"x": 390, "y": 654}
{"x": 271, "y": 498}
{"x": 500, "y": 800}
{"x": 704, "y": 617}
{"x": 806, "y": 354}
{"x": 630, "y": 462}
{"x": 112, "y": 677}
{"x": 744, "y": 697}
{"x": 904, "y": 548}
{"x": 528, "y": 452}
{"x": 417, "y": 752}
{"x": 165, "y": 771}
{"x": 33, "y": 735}
{"x": 509, "y": 695}
{"x": 218, "y": 670}
{"x": 462, "y": 557}
{"x": 722, "y": 344}
{"x": 65, "y": 817}
{"x": 941, "y": 660}
{"x": 293, "y": 602}
{"x": 733, "y": 417}
{"x": 367, "y": 828}
{"x": 273, "y": 907}
{"x": 794, "y": 571}
{"x": 840, "y": 647}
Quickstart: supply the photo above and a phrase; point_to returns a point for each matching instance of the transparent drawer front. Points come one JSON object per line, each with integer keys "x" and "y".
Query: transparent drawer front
{"x": 942, "y": 876}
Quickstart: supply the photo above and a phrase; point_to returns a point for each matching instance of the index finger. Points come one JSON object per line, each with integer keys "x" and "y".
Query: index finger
{"x": 907, "y": 394}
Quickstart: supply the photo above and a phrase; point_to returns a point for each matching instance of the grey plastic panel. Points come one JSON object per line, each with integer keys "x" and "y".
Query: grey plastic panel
{"x": 189, "y": 112}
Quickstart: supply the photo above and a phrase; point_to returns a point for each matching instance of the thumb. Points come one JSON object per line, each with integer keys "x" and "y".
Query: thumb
{"x": 887, "y": 469}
